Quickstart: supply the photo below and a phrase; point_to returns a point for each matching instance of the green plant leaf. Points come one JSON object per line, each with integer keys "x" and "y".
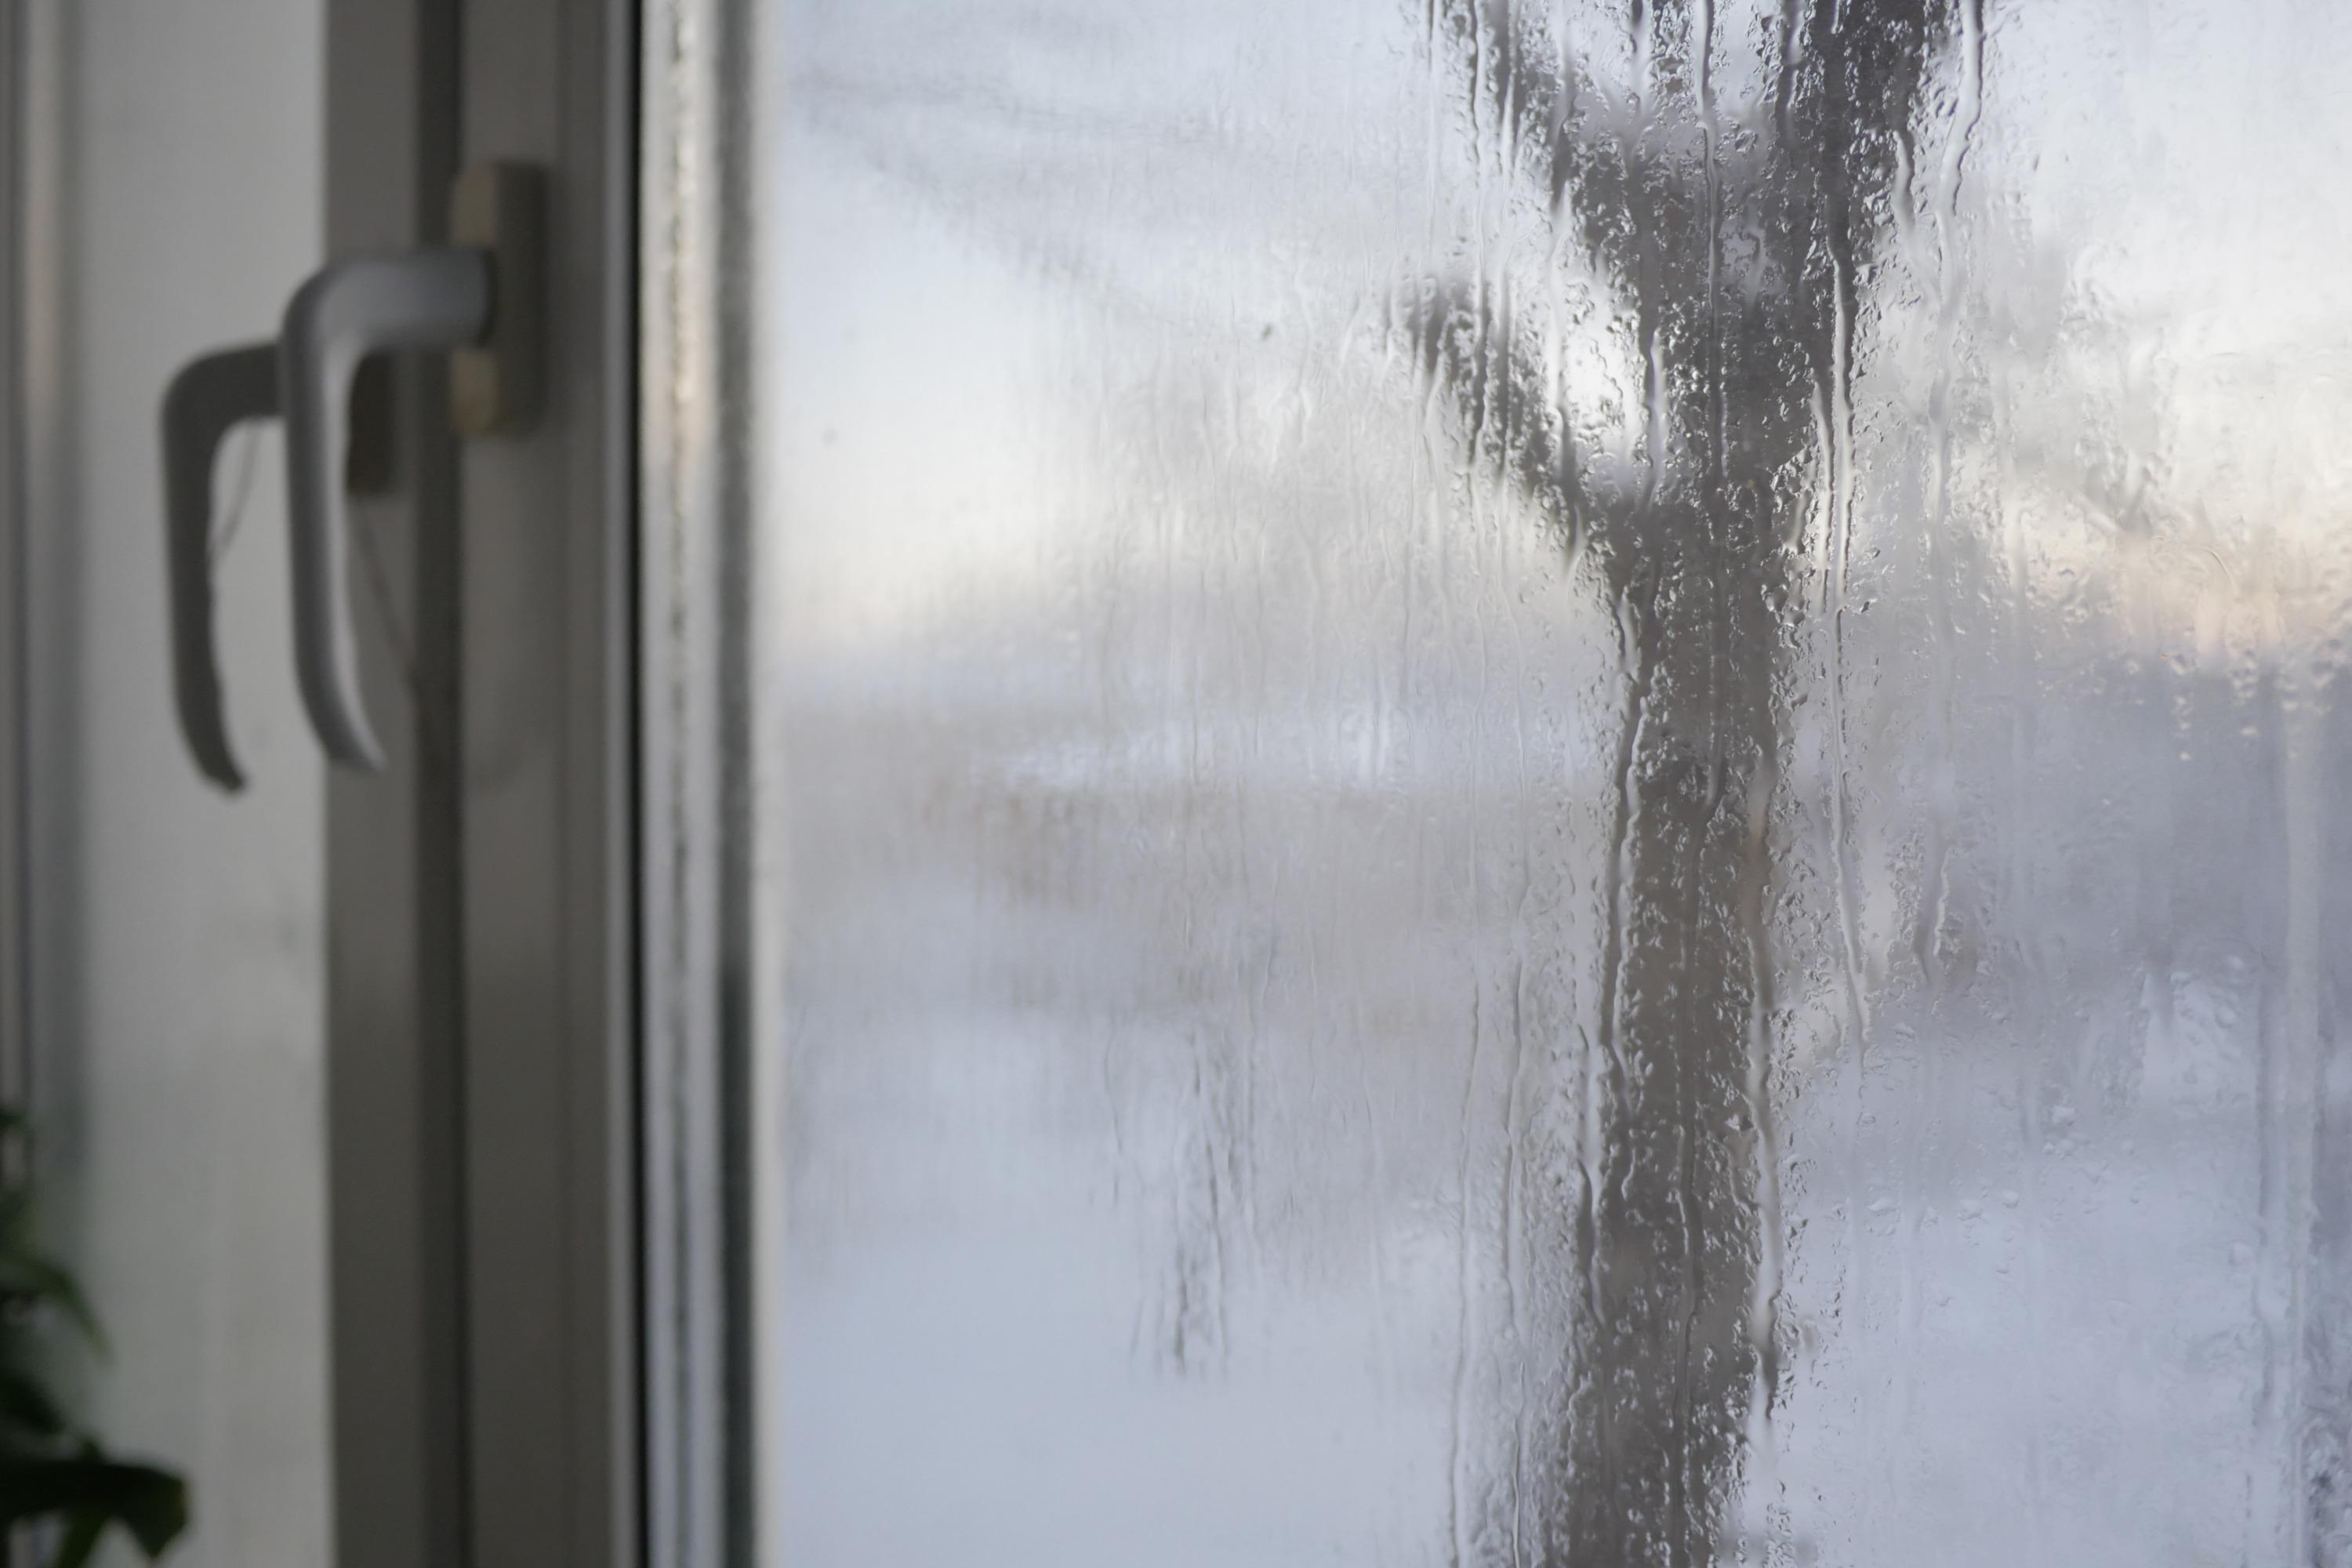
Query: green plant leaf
{"x": 91, "y": 1492}
{"x": 25, "y": 1407}
{"x": 29, "y": 1275}
{"x": 48, "y": 1471}
{"x": 80, "y": 1538}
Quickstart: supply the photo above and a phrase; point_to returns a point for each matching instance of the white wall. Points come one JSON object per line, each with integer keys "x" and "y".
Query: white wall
{"x": 179, "y": 963}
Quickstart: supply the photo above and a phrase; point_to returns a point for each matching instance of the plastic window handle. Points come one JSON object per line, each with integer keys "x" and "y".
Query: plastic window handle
{"x": 208, "y": 399}
{"x": 435, "y": 299}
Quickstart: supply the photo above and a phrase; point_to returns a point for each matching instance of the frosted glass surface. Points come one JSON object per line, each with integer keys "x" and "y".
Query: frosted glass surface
{"x": 1554, "y": 783}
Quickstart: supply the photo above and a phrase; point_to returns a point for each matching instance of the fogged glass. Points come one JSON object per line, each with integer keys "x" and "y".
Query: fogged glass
{"x": 1555, "y": 782}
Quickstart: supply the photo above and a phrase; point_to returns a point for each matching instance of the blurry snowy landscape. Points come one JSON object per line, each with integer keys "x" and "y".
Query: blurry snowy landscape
{"x": 1197, "y": 811}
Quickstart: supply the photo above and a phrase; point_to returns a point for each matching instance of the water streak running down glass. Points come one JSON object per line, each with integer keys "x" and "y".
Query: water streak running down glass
{"x": 1552, "y": 782}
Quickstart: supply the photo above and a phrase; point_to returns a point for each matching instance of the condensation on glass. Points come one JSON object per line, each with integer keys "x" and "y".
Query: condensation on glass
{"x": 1552, "y": 782}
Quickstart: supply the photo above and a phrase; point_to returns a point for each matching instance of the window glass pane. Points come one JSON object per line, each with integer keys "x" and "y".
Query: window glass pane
{"x": 1550, "y": 781}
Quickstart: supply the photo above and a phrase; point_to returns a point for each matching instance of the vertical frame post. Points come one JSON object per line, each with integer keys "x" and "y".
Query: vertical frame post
{"x": 549, "y": 725}
{"x": 710, "y": 964}
{"x": 395, "y": 1033}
